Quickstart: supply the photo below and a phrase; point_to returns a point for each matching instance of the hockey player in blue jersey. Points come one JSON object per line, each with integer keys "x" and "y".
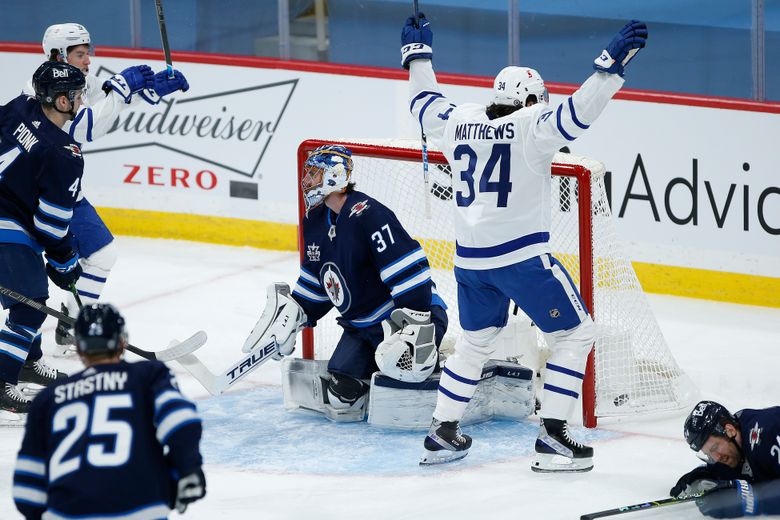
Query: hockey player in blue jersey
{"x": 40, "y": 180}
{"x": 503, "y": 153}
{"x": 116, "y": 440}
{"x": 104, "y": 100}
{"x": 360, "y": 260}
{"x": 742, "y": 474}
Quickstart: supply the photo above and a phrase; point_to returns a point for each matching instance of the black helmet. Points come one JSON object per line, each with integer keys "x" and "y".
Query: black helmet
{"x": 707, "y": 418}
{"x": 99, "y": 329}
{"x": 55, "y": 78}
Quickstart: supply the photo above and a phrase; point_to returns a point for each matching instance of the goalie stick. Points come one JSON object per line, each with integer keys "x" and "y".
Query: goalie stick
{"x": 653, "y": 504}
{"x": 186, "y": 347}
{"x": 215, "y": 384}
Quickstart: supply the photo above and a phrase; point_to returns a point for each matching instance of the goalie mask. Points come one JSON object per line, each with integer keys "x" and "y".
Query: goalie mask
{"x": 513, "y": 85}
{"x": 327, "y": 170}
{"x": 62, "y": 36}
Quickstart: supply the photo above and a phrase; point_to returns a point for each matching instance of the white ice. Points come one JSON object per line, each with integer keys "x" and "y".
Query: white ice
{"x": 264, "y": 463}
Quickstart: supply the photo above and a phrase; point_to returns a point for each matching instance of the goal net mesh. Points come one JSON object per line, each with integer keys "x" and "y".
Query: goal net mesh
{"x": 633, "y": 368}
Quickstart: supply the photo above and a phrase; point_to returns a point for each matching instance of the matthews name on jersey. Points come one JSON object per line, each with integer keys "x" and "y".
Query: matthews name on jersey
{"x": 363, "y": 262}
{"x": 501, "y": 167}
{"x": 38, "y": 188}
{"x": 104, "y": 425}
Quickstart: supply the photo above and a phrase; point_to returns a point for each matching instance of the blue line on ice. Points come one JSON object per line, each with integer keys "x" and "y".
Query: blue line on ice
{"x": 251, "y": 430}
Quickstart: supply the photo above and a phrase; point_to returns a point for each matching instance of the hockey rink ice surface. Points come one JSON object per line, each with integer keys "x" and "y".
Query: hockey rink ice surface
{"x": 264, "y": 463}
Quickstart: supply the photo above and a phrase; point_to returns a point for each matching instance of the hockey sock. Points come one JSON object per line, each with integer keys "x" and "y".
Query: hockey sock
{"x": 459, "y": 379}
{"x": 15, "y": 343}
{"x": 97, "y": 267}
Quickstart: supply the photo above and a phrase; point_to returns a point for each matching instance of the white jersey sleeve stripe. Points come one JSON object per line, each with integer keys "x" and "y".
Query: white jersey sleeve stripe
{"x": 53, "y": 231}
{"x": 402, "y": 263}
{"x": 410, "y": 283}
{"x": 30, "y": 466}
{"x": 310, "y": 278}
{"x": 29, "y": 495}
{"x": 306, "y": 294}
{"x": 53, "y": 210}
{"x": 175, "y": 420}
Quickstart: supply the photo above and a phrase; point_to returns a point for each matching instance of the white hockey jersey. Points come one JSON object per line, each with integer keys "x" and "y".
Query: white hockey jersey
{"x": 501, "y": 167}
{"x": 97, "y": 114}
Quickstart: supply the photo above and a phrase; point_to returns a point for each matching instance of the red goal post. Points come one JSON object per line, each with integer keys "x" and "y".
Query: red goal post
{"x": 626, "y": 373}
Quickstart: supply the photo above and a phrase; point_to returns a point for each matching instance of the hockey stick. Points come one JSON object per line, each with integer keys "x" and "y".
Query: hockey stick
{"x": 164, "y": 37}
{"x": 654, "y": 504}
{"x": 215, "y": 384}
{"x": 424, "y": 139}
{"x": 188, "y": 346}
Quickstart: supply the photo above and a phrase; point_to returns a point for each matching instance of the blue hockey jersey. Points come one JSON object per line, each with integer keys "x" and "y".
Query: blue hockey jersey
{"x": 760, "y": 431}
{"x": 94, "y": 445}
{"x": 363, "y": 262}
{"x": 40, "y": 177}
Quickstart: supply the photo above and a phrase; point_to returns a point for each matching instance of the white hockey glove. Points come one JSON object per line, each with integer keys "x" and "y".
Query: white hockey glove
{"x": 190, "y": 488}
{"x": 622, "y": 48}
{"x": 408, "y": 352}
{"x": 280, "y": 321}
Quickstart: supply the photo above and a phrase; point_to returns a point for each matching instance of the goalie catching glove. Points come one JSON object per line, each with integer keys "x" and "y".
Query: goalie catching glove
{"x": 280, "y": 321}
{"x": 408, "y": 352}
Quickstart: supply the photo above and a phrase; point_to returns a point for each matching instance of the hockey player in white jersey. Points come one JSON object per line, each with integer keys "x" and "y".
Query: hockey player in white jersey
{"x": 501, "y": 157}
{"x": 104, "y": 100}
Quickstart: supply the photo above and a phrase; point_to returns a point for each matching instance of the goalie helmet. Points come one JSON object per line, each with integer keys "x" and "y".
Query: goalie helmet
{"x": 327, "y": 170}
{"x": 62, "y": 36}
{"x": 55, "y": 78}
{"x": 99, "y": 329}
{"x": 707, "y": 418}
{"x": 513, "y": 85}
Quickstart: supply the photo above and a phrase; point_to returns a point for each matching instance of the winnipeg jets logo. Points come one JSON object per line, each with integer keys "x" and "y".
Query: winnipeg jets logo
{"x": 313, "y": 252}
{"x": 755, "y": 436}
{"x": 74, "y": 150}
{"x": 335, "y": 287}
{"x": 358, "y": 208}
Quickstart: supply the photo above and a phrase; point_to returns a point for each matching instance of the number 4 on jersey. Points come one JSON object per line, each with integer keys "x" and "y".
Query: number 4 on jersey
{"x": 7, "y": 158}
{"x": 500, "y": 154}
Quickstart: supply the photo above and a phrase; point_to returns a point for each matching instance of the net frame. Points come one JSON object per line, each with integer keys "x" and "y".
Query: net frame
{"x": 586, "y": 175}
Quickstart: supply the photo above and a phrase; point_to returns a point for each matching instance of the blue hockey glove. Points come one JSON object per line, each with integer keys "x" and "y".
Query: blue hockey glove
{"x": 130, "y": 81}
{"x": 189, "y": 489}
{"x": 163, "y": 85}
{"x": 622, "y": 48}
{"x": 734, "y": 500}
{"x": 63, "y": 268}
{"x": 416, "y": 40}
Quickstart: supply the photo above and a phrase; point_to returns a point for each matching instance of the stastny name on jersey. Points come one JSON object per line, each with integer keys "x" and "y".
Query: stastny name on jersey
{"x": 99, "y": 382}
{"x": 469, "y": 131}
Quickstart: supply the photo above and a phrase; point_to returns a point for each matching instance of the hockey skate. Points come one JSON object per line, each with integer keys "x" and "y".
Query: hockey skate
{"x": 445, "y": 443}
{"x": 39, "y": 373}
{"x": 12, "y": 400}
{"x": 557, "y": 451}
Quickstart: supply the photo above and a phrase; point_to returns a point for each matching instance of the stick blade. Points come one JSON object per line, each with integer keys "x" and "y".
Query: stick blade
{"x": 179, "y": 349}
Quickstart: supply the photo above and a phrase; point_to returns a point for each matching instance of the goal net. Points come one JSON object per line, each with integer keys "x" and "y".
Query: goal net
{"x": 631, "y": 369}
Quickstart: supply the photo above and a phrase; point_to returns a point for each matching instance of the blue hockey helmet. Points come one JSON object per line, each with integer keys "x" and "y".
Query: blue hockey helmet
{"x": 707, "y": 418}
{"x": 54, "y": 78}
{"x": 100, "y": 329}
{"x": 327, "y": 170}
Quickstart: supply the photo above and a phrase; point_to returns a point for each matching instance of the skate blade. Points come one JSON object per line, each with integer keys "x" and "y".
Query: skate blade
{"x": 553, "y": 463}
{"x": 441, "y": 457}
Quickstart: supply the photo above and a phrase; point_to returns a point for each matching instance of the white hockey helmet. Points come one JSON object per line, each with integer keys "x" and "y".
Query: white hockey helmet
{"x": 61, "y": 36}
{"x": 513, "y": 85}
{"x": 327, "y": 170}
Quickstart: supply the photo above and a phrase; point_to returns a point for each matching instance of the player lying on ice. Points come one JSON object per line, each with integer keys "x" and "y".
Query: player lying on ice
{"x": 742, "y": 451}
{"x": 502, "y": 225}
